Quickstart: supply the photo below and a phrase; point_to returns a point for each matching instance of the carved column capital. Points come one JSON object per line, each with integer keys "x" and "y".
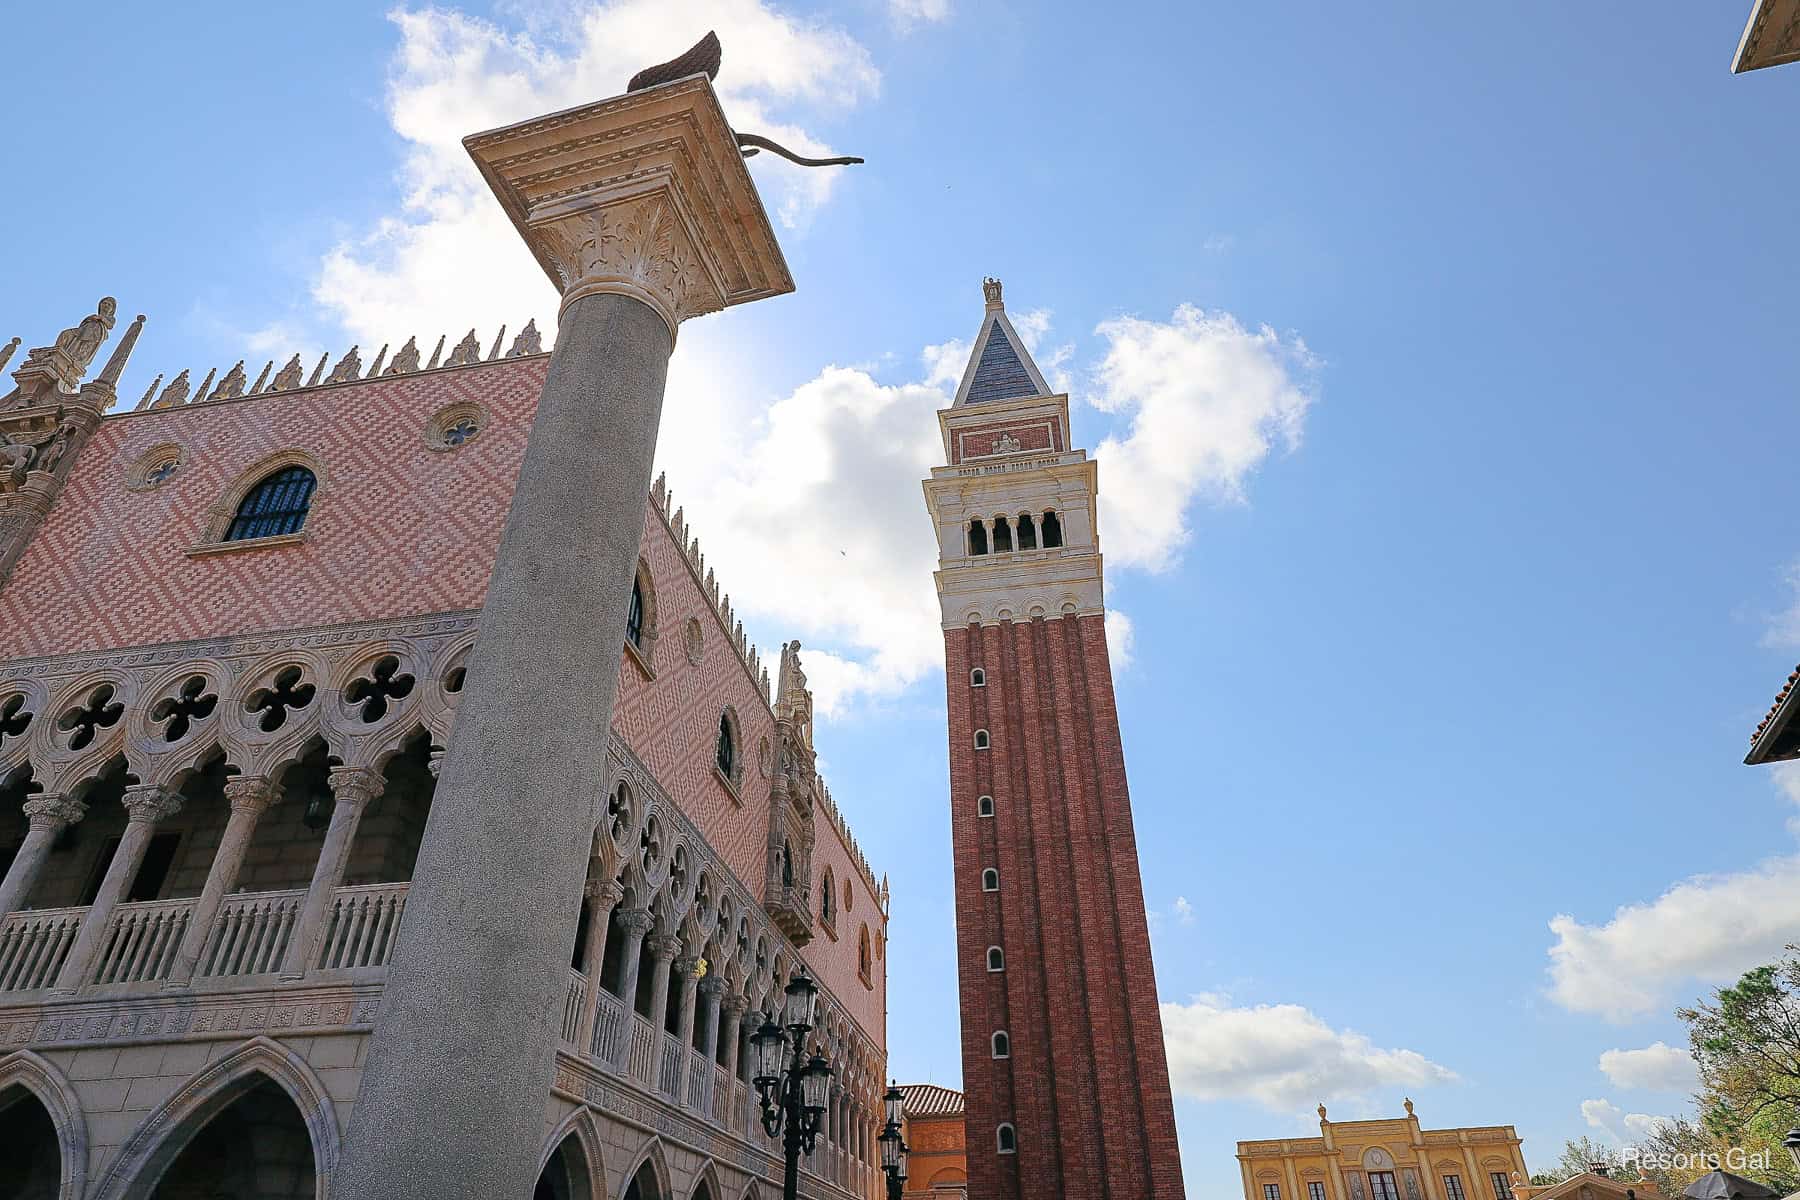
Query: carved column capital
{"x": 663, "y": 947}
{"x": 688, "y": 966}
{"x": 53, "y": 812}
{"x": 637, "y": 921}
{"x": 355, "y": 785}
{"x": 711, "y": 985}
{"x": 148, "y": 803}
{"x": 638, "y": 247}
{"x": 249, "y": 795}
{"x": 604, "y": 894}
{"x": 735, "y": 1005}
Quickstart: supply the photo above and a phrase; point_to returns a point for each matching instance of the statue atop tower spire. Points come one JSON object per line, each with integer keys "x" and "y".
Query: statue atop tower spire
{"x": 990, "y": 289}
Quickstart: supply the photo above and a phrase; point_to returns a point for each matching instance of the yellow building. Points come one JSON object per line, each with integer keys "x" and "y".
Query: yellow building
{"x": 1385, "y": 1160}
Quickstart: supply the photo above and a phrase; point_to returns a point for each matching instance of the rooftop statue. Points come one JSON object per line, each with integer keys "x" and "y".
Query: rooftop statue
{"x": 81, "y": 343}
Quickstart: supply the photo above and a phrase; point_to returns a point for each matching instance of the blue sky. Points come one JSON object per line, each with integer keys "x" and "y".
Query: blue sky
{"x": 1442, "y": 518}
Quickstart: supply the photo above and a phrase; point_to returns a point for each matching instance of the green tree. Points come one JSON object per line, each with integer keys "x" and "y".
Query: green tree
{"x": 1578, "y": 1155}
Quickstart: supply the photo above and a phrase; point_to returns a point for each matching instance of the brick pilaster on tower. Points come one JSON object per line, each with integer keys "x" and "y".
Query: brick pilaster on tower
{"x": 1052, "y": 941}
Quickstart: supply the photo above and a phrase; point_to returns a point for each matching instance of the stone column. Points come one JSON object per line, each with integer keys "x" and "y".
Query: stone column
{"x": 687, "y": 970}
{"x": 145, "y": 805}
{"x": 636, "y": 922}
{"x": 602, "y": 896}
{"x": 641, "y": 211}
{"x": 712, "y": 991}
{"x": 249, "y": 799}
{"x": 733, "y": 1008}
{"x": 663, "y": 949}
{"x": 352, "y": 788}
{"x": 48, "y": 817}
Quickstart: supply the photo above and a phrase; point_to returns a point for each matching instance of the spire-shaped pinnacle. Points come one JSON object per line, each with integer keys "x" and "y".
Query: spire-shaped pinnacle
{"x": 115, "y": 366}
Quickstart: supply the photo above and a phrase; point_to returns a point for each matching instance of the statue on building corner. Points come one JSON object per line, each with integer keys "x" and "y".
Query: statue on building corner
{"x": 80, "y": 343}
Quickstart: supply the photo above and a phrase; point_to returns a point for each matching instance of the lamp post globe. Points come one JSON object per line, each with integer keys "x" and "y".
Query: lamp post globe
{"x": 893, "y": 1145}
{"x": 791, "y": 1088}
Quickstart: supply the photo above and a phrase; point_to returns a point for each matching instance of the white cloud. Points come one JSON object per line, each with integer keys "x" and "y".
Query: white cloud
{"x": 1658, "y": 1067}
{"x": 1184, "y": 912}
{"x": 1207, "y": 401}
{"x": 1709, "y": 927}
{"x": 1620, "y": 1125}
{"x": 908, "y": 13}
{"x": 454, "y": 74}
{"x": 1783, "y": 631}
{"x": 1121, "y": 639}
{"x": 1281, "y": 1055}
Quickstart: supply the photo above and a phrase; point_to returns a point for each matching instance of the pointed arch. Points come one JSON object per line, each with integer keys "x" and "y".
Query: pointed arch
{"x": 707, "y": 1177}
{"x": 579, "y": 1128}
{"x": 46, "y": 1084}
{"x": 160, "y": 1137}
{"x": 651, "y": 1157}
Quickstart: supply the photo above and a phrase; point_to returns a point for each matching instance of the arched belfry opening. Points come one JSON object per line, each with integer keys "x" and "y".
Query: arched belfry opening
{"x": 31, "y": 1159}
{"x": 256, "y": 1146}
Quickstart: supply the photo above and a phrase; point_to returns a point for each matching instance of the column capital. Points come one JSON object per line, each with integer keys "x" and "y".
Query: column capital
{"x": 604, "y": 893}
{"x": 355, "y": 785}
{"x": 53, "y": 812}
{"x": 734, "y": 1005}
{"x": 251, "y": 794}
{"x": 663, "y": 947}
{"x": 637, "y": 921}
{"x": 711, "y": 985}
{"x": 644, "y": 195}
{"x": 149, "y": 803}
{"x": 688, "y": 966}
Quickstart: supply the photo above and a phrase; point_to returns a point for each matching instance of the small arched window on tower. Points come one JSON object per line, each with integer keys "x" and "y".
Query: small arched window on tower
{"x": 828, "y": 900}
{"x": 996, "y": 959}
{"x": 1002, "y": 536}
{"x": 725, "y": 754}
{"x": 634, "y": 616}
{"x": 1002, "y": 1044}
{"x": 1052, "y": 529}
{"x": 984, "y": 806}
{"x": 990, "y": 880}
{"x": 865, "y": 959}
{"x": 977, "y": 537}
{"x": 275, "y": 506}
{"x": 981, "y": 739}
{"x": 1005, "y": 1140}
{"x": 978, "y": 678}
{"x": 787, "y": 863}
{"x": 1027, "y": 533}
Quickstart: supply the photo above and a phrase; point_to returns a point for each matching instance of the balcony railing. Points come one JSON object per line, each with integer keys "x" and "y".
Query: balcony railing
{"x": 252, "y": 936}
{"x": 33, "y": 946}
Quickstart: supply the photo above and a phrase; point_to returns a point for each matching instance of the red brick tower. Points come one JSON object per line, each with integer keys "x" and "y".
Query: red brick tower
{"x": 1063, "y": 1063}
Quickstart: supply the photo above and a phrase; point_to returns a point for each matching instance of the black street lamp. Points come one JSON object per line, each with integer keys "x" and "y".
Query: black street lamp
{"x": 893, "y": 1146}
{"x": 792, "y": 1093}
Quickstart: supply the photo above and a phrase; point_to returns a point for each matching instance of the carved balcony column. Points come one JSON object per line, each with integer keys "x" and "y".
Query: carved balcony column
{"x": 712, "y": 993}
{"x": 249, "y": 799}
{"x": 641, "y": 211}
{"x": 663, "y": 950}
{"x": 352, "y": 790}
{"x": 603, "y": 895}
{"x": 732, "y": 1009}
{"x": 687, "y": 971}
{"x": 48, "y": 817}
{"x": 636, "y": 922}
{"x": 145, "y": 805}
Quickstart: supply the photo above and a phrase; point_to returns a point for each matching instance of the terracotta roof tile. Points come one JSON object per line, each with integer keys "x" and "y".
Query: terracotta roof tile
{"x": 1780, "y": 699}
{"x": 930, "y": 1100}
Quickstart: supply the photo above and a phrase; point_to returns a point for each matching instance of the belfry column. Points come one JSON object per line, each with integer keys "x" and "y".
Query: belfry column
{"x": 48, "y": 817}
{"x": 641, "y": 211}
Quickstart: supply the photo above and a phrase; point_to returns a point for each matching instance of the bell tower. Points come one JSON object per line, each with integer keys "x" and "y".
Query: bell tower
{"x": 1064, "y": 1071}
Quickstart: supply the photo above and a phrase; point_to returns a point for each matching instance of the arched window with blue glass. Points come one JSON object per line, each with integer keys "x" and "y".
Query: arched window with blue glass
{"x": 277, "y": 505}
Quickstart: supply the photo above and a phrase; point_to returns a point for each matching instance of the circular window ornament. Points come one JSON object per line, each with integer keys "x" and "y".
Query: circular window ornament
{"x": 694, "y": 640}
{"x": 455, "y": 426}
{"x": 155, "y": 467}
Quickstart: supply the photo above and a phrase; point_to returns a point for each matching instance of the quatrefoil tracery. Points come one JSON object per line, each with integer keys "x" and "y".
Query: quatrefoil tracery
{"x": 386, "y": 684}
{"x": 14, "y": 720}
{"x": 287, "y": 693}
{"x": 194, "y": 702}
{"x": 650, "y": 846}
{"x": 83, "y": 722}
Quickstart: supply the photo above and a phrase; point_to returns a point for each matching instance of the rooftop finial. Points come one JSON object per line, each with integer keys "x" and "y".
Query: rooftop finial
{"x": 990, "y": 288}
{"x": 6, "y": 352}
{"x": 115, "y": 366}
